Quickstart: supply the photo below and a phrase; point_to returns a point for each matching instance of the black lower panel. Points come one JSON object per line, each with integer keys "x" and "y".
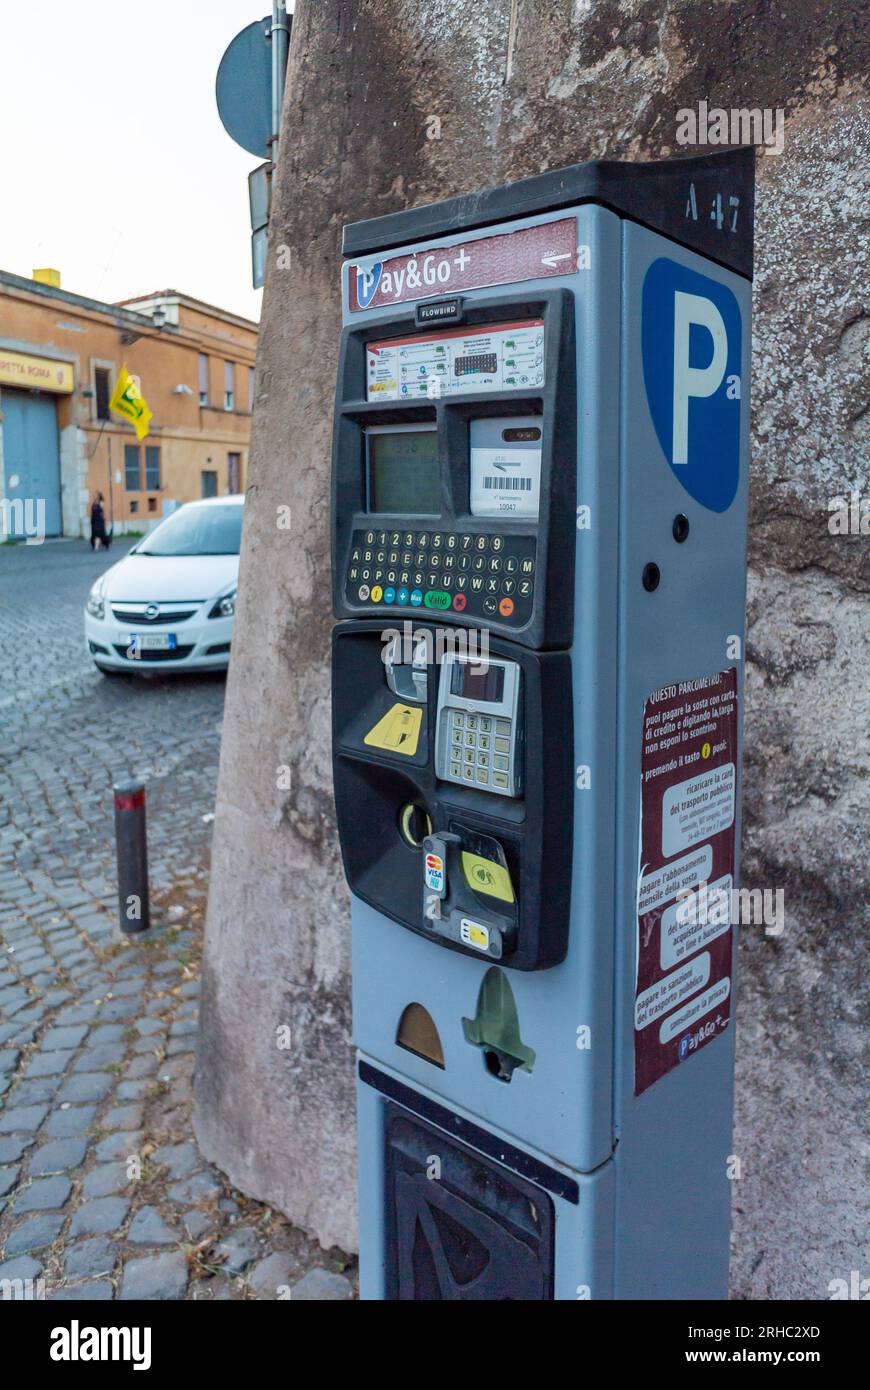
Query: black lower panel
{"x": 460, "y": 1226}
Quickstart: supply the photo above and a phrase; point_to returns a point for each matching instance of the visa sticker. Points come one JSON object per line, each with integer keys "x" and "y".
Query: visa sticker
{"x": 434, "y": 873}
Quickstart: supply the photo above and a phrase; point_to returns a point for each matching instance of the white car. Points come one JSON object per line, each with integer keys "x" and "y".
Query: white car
{"x": 169, "y": 604}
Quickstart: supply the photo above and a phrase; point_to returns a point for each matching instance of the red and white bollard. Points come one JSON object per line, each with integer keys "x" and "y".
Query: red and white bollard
{"x": 132, "y": 846}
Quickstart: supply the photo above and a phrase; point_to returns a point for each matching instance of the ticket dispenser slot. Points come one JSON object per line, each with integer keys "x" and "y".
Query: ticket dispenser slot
{"x": 407, "y": 679}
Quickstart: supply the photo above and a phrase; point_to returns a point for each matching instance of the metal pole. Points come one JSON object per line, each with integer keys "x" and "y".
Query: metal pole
{"x": 111, "y": 494}
{"x": 280, "y": 36}
{"x": 132, "y": 846}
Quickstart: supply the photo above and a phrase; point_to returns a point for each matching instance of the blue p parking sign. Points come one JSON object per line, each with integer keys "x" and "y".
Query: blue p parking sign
{"x": 691, "y": 336}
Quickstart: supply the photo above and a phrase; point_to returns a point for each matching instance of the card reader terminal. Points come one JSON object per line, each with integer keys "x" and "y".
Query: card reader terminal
{"x": 478, "y": 728}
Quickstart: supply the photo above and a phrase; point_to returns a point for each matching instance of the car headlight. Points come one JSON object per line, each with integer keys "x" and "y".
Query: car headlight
{"x": 96, "y": 604}
{"x": 225, "y": 607}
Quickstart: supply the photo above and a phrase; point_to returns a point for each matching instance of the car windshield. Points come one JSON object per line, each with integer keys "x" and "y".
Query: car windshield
{"x": 197, "y": 531}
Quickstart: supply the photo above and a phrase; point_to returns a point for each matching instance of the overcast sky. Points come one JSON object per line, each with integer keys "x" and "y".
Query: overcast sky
{"x": 116, "y": 168}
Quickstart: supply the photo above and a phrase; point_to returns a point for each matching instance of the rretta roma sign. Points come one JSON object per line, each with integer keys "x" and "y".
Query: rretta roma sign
{"x": 42, "y": 373}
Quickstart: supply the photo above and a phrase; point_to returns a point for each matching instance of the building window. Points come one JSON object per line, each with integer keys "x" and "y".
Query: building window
{"x": 234, "y": 472}
{"x": 132, "y": 474}
{"x": 209, "y": 482}
{"x": 152, "y": 468}
{"x": 152, "y": 504}
{"x": 203, "y": 379}
{"x": 251, "y": 388}
{"x": 102, "y": 392}
{"x": 229, "y": 386}
{"x": 134, "y": 507}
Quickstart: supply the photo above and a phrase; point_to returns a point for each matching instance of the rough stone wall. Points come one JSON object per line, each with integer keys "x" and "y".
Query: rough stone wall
{"x": 520, "y": 87}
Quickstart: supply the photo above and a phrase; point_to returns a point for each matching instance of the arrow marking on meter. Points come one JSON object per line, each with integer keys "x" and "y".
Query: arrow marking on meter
{"x": 397, "y": 732}
{"x": 551, "y": 260}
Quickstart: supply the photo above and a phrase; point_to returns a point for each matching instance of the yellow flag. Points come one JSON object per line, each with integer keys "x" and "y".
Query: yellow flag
{"x": 127, "y": 400}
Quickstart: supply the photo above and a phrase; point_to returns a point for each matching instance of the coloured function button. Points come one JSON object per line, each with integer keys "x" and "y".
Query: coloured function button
{"x": 377, "y": 593}
{"x": 402, "y": 597}
{"x": 506, "y": 607}
{"x": 437, "y": 598}
{"x": 459, "y": 602}
{"x": 363, "y": 593}
{"x": 389, "y": 595}
{"x": 416, "y": 598}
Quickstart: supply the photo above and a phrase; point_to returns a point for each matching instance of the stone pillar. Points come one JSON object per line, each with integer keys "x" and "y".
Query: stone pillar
{"x": 396, "y": 102}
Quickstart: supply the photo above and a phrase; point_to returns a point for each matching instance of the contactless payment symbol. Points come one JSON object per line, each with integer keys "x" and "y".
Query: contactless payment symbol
{"x": 435, "y": 873}
{"x": 691, "y": 339}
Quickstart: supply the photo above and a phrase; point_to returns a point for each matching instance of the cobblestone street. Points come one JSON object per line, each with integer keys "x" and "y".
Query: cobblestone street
{"x": 103, "y": 1193}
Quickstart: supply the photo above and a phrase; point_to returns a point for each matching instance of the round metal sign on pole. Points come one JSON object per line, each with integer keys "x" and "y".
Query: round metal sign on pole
{"x": 243, "y": 88}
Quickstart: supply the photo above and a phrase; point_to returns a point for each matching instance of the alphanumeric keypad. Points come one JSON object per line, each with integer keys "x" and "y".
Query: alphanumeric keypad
{"x": 486, "y": 575}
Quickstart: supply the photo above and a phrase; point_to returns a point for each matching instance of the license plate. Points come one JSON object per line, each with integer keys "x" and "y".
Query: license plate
{"x": 153, "y": 641}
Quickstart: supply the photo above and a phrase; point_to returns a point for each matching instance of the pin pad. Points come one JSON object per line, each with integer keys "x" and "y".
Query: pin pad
{"x": 478, "y": 725}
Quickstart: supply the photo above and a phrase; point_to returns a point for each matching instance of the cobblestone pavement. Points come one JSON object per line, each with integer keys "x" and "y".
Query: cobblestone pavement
{"x": 103, "y": 1193}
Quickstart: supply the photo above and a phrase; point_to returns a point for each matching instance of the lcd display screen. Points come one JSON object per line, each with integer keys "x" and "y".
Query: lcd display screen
{"x": 477, "y": 682}
{"x": 404, "y": 477}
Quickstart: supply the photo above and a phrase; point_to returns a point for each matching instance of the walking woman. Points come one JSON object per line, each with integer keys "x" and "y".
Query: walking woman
{"x": 100, "y": 539}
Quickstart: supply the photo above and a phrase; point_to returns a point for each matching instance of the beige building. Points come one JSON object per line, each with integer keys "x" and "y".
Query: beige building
{"x": 60, "y": 356}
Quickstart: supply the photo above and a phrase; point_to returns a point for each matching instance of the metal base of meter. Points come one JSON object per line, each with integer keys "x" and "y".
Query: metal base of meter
{"x": 450, "y": 1211}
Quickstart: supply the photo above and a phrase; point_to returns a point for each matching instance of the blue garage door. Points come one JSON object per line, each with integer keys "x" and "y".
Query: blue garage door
{"x": 31, "y": 459}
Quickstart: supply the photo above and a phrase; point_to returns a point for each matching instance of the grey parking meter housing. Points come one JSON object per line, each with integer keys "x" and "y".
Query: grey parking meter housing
{"x": 540, "y": 472}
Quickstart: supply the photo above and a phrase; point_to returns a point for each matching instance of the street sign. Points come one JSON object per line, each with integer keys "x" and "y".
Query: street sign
{"x": 243, "y": 88}
{"x": 259, "y": 199}
{"x": 259, "y": 247}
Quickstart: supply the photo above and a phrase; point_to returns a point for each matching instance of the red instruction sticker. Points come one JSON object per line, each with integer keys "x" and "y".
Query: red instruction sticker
{"x": 688, "y": 777}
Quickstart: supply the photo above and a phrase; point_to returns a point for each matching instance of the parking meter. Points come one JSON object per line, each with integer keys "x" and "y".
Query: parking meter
{"x": 539, "y": 497}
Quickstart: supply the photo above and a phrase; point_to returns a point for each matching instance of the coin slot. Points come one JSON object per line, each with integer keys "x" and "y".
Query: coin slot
{"x": 415, "y": 824}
